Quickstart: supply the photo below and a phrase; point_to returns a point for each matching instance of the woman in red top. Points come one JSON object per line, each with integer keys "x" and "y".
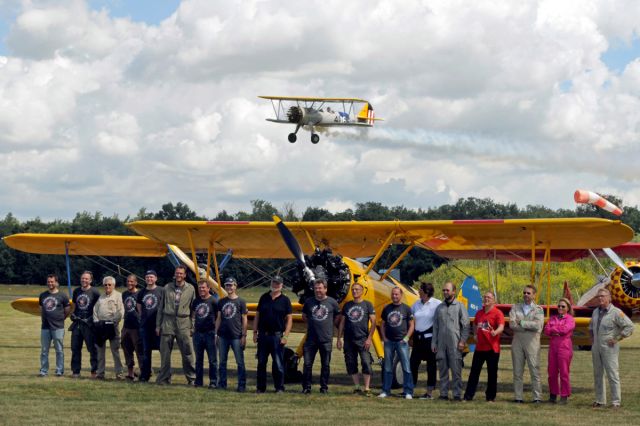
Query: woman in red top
{"x": 560, "y": 329}
{"x": 489, "y": 324}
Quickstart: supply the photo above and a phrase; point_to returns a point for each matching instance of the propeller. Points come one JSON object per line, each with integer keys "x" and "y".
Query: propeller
{"x": 635, "y": 278}
{"x": 294, "y": 247}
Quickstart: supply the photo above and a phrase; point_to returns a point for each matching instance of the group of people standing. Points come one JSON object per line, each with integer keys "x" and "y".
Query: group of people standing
{"x": 156, "y": 317}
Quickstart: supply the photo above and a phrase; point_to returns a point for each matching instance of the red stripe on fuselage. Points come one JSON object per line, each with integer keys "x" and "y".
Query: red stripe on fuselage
{"x": 477, "y": 221}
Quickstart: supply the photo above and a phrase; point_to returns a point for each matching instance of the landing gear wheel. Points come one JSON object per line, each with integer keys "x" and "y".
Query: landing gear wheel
{"x": 315, "y": 138}
{"x": 292, "y": 137}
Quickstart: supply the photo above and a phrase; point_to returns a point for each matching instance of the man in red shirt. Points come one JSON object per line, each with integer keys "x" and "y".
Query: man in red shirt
{"x": 489, "y": 324}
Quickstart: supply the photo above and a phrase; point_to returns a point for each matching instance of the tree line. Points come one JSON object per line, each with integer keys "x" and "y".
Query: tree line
{"x": 23, "y": 268}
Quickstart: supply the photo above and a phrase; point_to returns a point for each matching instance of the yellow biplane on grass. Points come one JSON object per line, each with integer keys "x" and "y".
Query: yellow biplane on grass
{"x": 312, "y": 113}
{"x": 539, "y": 237}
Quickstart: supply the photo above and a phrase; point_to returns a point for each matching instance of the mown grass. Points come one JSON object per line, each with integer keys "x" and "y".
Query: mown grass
{"x": 27, "y": 399}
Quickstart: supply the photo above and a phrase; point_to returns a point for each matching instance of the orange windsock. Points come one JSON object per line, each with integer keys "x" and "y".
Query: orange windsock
{"x": 588, "y": 197}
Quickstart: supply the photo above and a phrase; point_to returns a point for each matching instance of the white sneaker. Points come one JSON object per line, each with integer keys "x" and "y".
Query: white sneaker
{"x": 383, "y": 395}
{"x": 408, "y": 396}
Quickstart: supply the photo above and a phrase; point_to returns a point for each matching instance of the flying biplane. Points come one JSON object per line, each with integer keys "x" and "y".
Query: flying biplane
{"x": 312, "y": 113}
{"x": 327, "y": 242}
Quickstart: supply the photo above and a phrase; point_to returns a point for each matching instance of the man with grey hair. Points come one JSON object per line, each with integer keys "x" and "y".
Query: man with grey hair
{"x": 526, "y": 321}
{"x": 450, "y": 334}
{"x": 608, "y": 326}
{"x": 107, "y": 314}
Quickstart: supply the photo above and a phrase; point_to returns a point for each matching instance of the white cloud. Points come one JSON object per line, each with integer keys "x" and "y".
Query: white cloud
{"x": 112, "y": 114}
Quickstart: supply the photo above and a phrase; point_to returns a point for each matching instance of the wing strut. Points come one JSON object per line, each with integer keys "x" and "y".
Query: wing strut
{"x": 383, "y": 247}
{"x": 196, "y": 269}
{"x": 66, "y": 258}
{"x": 397, "y": 261}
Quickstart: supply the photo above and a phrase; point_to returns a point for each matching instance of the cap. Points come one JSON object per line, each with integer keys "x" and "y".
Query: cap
{"x": 230, "y": 280}
{"x": 150, "y": 272}
{"x": 277, "y": 279}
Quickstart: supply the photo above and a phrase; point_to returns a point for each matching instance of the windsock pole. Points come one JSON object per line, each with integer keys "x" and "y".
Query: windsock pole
{"x": 588, "y": 197}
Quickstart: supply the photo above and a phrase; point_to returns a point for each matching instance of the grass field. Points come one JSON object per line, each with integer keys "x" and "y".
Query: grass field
{"x": 28, "y": 399}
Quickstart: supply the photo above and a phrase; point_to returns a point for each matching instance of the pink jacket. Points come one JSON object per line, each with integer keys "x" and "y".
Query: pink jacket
{"x": 560, "y": 330}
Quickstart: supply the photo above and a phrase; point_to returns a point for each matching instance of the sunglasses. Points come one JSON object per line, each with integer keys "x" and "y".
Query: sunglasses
{"x": 526, "y": 292}
{"x": 562, "y": 306}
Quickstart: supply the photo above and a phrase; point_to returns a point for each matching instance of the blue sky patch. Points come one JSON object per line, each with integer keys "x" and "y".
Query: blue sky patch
{"x": 621, "y": 53}
{"x": 151, "y": 12}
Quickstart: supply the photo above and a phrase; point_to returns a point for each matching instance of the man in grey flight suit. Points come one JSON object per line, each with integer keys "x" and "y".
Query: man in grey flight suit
{"x": 173, "y": 321}
{"x": 526, "y": 320}
{"x": 450, "y": 333}
{"x": 608, "y": 326}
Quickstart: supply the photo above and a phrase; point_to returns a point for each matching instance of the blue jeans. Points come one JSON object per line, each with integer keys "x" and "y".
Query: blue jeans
{"x": 238, "y": 353}
{"x": 270, "y": 345}
{"x": 402, "y": 349}
{"x": 150, "y": 341}
{"x": 46, "y": 336}
{"x": 205, "y": 341}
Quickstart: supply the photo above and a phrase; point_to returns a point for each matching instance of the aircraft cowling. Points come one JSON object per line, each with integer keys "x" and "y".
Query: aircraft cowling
{"x": 624, "y": 294}
{"x": 304, "y": 116}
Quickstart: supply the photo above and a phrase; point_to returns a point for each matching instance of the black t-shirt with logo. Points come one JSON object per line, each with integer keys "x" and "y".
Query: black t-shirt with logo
{"x": 130, "y": 299}
{"x": 149, "y": 300}
{"x": 396, "y": 321}
{"x": 273, "y": 313}
{"x": 320, "y": 315}
{"x": 52, "y": 309}
{"x": 84, "y": 301}
{"x": 356, "y": 320}
{"x": 231, "y": 312}
{"x": 205, "y": 312}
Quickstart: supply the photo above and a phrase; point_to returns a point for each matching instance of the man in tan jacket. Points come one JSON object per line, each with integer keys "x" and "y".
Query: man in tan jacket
{"x": 173, "y": 321}
{"x": 526, "y": 320}
{"x": 608, "y": 326}
{"x": 107, "y": 314}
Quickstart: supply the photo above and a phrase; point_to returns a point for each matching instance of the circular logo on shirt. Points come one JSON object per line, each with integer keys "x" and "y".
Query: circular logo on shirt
{"x": 149, "y": 301}
{"x": 49, "y": 304}
{"x": 229, "y": 310}
{"x": 355, "y": 313}
{"x": 319, "y": 312}
{"x": 130, "y": 304}
{"x": 82, "y": 302}
{"x": 202, "y": 310}
{"x": 394, "y": 319}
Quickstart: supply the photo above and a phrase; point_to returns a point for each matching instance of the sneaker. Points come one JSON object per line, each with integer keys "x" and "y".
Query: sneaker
{"x": 42, "y": 374}
{"x": 324, "y": 391}
{"x": 597, "y": 405}
{"x": 537, "y": 401}
{"x": 615, "y": 406}
{"x": 408, "y": 396}
{"x": 553, "y": 398}
{"x": 76, "y": 375}
{"x": 59, "y": 374}
{"x": 383, "y": 395}
{"x": 518, "y": 401}
{"x": 306, "y": 391}
{"x": 98, "y": 377}
{"x": 443, "y": 398}
{"x": 280, "y": 391}
{"x": 563, "y": 400}
{"x": 130, "y": 378}
{"x": 213, "y": 386}
{"x": 426, "y": 396}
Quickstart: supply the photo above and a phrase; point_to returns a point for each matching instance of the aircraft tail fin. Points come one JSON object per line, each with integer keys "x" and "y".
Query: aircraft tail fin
{"x": 366, "y": 115}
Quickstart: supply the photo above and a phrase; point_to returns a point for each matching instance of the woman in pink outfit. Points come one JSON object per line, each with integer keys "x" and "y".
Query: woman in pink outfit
{"x": 560, "y": 329}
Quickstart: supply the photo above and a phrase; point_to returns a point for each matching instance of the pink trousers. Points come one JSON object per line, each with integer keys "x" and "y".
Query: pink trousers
{"x": 559, "y": 371}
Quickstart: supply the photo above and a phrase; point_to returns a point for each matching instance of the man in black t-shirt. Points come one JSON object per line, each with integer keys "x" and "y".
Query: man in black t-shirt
{"x": 357, "y": 323}
{"x": 396, "y": 329}
{"x": 54, "y": 308}
{"x": 130, "y": 337}
{"x": 271, "y": 328}
{"x": 147, "y": 304}
{"x": 231, "y": 329}
{"x": 204, "y": 311}
{"x": 320, "y": 313}
{"x": 84, "y": 299}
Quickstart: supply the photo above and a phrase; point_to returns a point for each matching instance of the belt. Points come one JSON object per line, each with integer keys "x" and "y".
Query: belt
{"x": 425, "y": 334}
{"x": 271, "y": 333}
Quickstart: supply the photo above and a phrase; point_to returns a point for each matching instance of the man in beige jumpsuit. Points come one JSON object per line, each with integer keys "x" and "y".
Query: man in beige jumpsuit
{"x": 526, "y": 320}
{"x": 608, "y": 326}
{"x": 174, "y": 321}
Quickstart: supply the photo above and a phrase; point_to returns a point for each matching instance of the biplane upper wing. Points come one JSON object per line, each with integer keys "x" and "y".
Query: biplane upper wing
{"x": 103, "y": 245}
{"x": 311, "y": 99}
{"x": 360, "y": 239}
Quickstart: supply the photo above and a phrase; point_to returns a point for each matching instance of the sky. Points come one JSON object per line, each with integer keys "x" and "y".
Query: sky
{"x": 111, "y": 106}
